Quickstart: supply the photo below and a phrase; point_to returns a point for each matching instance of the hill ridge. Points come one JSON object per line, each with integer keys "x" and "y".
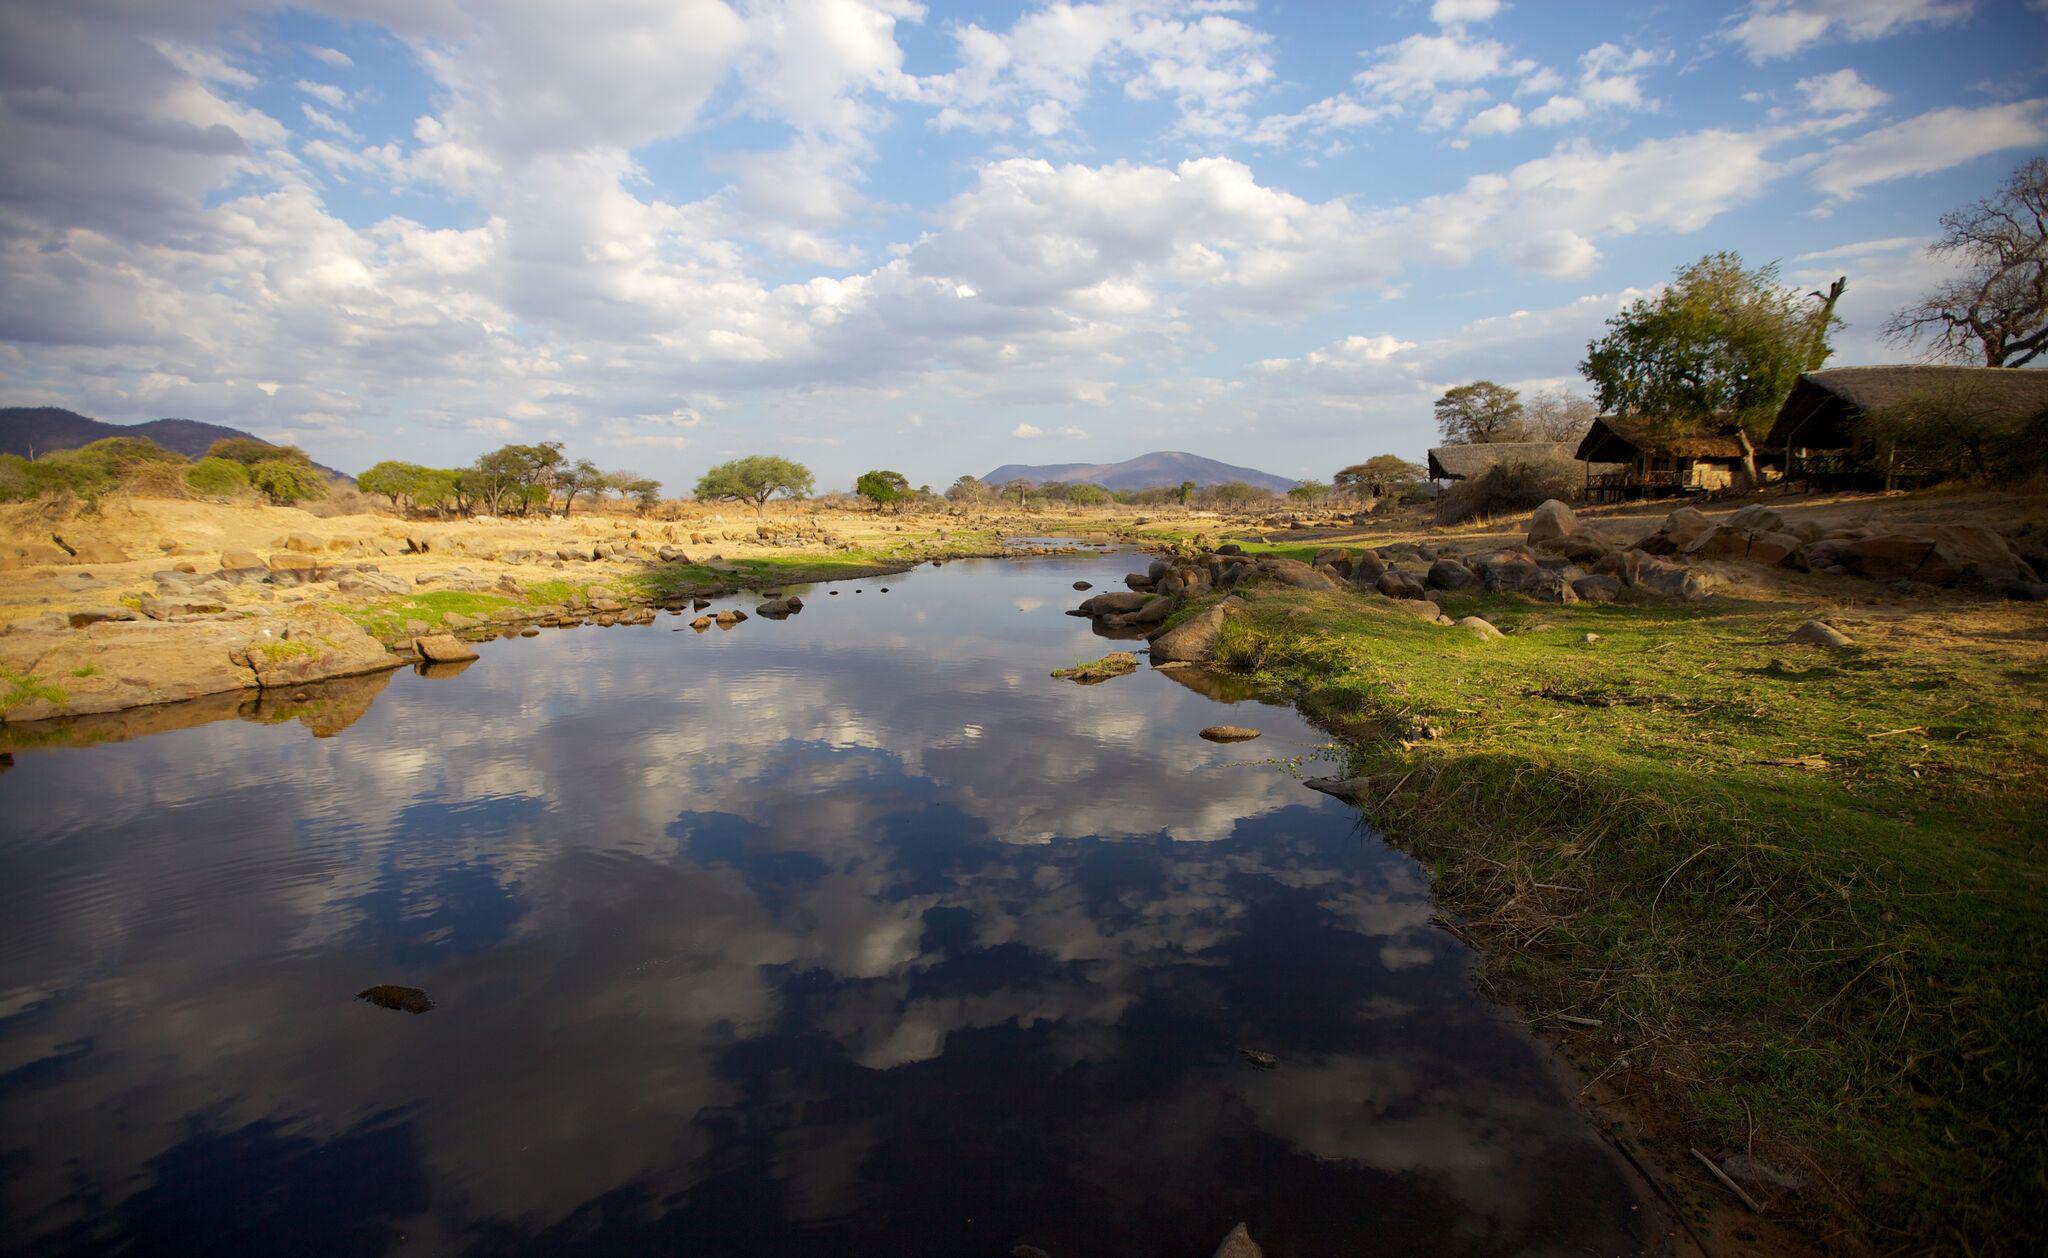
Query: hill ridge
{"x": 1145, "y": 471}
{"x": 33, "y": 430}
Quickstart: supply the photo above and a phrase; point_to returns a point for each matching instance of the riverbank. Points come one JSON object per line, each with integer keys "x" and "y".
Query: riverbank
{"x": 143, "y": 602}
{"x": 1780, "y": 902}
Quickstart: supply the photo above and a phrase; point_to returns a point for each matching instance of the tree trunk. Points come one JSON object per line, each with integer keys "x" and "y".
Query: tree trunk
{"x": 1748, "y": 457}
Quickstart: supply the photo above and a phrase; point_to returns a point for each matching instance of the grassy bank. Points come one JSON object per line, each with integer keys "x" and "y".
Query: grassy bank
{"x": 1792, "y": 898}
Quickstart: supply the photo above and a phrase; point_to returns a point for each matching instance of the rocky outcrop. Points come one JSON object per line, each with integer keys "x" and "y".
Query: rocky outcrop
{"x": 1195, "y": 641}
{"x": 112, "y": 665}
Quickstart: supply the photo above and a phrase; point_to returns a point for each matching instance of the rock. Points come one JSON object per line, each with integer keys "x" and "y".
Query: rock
{"x": 370, "y": 582}
{"x": 1297, "y": 574}
{"x": 1773, "y": 548}
{"x": 304, "y": 543}
{"x": 1755, "y": 518}
{"x": 1815, "y": 633}
{"x": 402, "y": 999}
{"x": 1479, "y": 628}
{"x": 1551, "y": 521}
{"x": 1115, "y": 664}
{"x": 1115, "y": 602}
{"x": 701, "y": 623}
{"x": 673, "y": 554}
{"x": 1351, "y": 790}
{"x": 1597, "y": 588}
{"x": 241, "y": 561}
{"x": 1366, "y": 570}
{"x": 1397, "y": 584}
{"x": 1258, "y": 1060}
{"x": 1195, "y": 640}
{"x": 1449, "y": 574}
{"x": 1239, "y": 1244}
{"x": 529, "y": 632}
{"x": 1083, "y": 585}
{"x": 1229, "y": 733}
{"x": 1139, "y": 581}
{"x": 98, "y": 552}
{"x": 777, "y": 608}
{"x": 443, "y": 648}
{"x": 167, "y": 609}
{"x": 291, "y": 568}
{"x": 2024, "y": 591}
{"x": 1516, "y": 574}
{"x": 84, "y": 616}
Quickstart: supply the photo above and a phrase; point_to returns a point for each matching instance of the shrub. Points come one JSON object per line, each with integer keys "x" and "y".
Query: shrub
{"x": 86, "y": 472}
{"x": 217, "y": 477}
{"x": 1508, "y": 486}
{"x": 286, "y": 481}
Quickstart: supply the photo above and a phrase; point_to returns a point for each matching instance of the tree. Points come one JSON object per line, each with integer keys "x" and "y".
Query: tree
{"x": 1187, "y": 493}
{"x": 251, "y": 450}
{"x": 286, "y": 481}
{"x": 882, "y": 487}
{"x": 1308, "y": 491}
{"x": 1021, "y": 487}
{"x": 1996, "y": 307}
{"x": 1380, "y": 476}
{"x": 966, "y": 490}
{"x": 1479, "y": 412}
{"x": 394, "y": 480}
{"x": 755, "y": 479}
{"x": 1558, "y": 415}
{"x": 1721, "y": 344}
{"x": 1236, "y": 493}
{"x": 580, "y": 477}
{"x": 511, "y": 475}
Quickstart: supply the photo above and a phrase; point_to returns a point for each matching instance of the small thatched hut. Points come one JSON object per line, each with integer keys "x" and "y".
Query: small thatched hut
{"x": 1821, "y": 425}
{"x": 1656, "y": 464}
{"x": 1466, "y": 461}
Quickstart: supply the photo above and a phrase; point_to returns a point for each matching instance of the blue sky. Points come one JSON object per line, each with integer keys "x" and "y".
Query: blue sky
{"x": 941, "y": 238}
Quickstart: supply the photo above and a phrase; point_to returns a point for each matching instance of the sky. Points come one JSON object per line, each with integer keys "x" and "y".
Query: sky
{"x": 939, "y": 238}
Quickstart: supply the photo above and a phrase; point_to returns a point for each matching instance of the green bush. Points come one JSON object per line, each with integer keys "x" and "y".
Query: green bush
{"x": 286, "y": 481}
{"x": 86, "y": 472}
{"x": 217, "y": 477}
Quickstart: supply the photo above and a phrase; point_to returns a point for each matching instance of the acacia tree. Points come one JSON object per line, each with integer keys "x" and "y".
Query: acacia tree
{"x": 1308, "y": 491}
{"x": 755, "y": 479}
{"x": 1722, "y": 343}
{"x": 580, "y": 477}
{"x": 882, "y": 487}
{"x": 1479, "y": 412}
{"x": 1558, "y": 415}
{"x": 1996, "y": 307}
{"x": 1380, "y": 476}
{"x": 1021, "y": 487}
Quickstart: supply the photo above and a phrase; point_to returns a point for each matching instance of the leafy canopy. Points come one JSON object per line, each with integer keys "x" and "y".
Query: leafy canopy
{"x": 755, "y": 479}
{"x": 882, "y": 487}
{"x": 1723, "y": 343}
{"x": 1479, "y": 412}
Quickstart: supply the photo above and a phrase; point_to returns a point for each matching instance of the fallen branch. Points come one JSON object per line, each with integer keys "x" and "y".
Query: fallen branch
{"x": 1726, "y": 1182}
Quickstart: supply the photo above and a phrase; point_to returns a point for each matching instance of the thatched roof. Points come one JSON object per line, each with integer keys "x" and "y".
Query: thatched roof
{"x": 1464, "y": 461}
{"x": 1613, "y": 439}
{"x": 1824, "y": 407}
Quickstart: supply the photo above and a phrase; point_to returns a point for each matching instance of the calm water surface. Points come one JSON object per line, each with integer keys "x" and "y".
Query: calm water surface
{"x": 850, "y": 934}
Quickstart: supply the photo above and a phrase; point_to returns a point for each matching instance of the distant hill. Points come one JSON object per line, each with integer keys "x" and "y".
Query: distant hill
{"x": 1147, "y": 471}
{"x": 33, "y": 430}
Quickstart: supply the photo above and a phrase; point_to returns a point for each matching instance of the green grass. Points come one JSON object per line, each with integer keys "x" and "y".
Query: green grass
{"x": 287, "y": 649}
{"x": 86, "y": 670}
{"x": 1846, "y": 961}
{"x": 387, "y": 618}
{"x": 19, "y": 688}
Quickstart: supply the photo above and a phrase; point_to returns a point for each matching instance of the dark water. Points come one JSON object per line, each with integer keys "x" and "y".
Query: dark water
{"x": 851, "y": 934}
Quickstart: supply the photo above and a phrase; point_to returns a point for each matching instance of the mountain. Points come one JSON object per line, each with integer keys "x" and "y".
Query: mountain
{"x": 1147, "y": 471}
{"x": 33, "y": 430}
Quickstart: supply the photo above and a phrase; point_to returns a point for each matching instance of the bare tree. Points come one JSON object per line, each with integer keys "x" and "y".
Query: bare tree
{"x": 1558, "y": 415}
{"x": 1997, "y": 306}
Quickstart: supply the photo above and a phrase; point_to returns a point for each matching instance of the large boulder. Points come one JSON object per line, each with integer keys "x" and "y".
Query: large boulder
{"x": 1114, "y": 603}
{"x": 1515, "y": 574}
{"x": 312, "y": 646}
{"x": 1297, "y": 574}
{"x": 443, "y": 648}
{"x": 1674, "y": 581}
{"x": 1195, "y": 640}
{"x": 1400, "y": 585}
{"x": 1449, "y": 574}
{"x": 292, "y": 567}
{"x": 1756, "y": 518}
{"x": 1552, "y": 520}
{"x": 1597, "y": 588}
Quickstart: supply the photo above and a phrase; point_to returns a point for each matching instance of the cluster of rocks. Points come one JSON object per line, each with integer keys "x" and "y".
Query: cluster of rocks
{"x": 1932, "y": 554}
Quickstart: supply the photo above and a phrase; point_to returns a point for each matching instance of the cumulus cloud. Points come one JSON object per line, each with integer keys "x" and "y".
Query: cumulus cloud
{"x": 1841, "y": 93}
{"x": 1778, "y": 28}
{"x": 1933, "y": 141}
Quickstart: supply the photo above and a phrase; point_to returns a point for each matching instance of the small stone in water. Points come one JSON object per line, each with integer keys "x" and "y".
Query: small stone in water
{"x": 405, "y": 999}
{"x": 1229, "y": 733}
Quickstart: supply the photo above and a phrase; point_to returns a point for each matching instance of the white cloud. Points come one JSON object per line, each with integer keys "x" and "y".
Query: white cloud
{"x": 1032, "y": 432}
{"x": 328, "y": 56}
{"x": 1843, "y": 92}
{"x": 1451, "y": 12}
{"x": 1933, "y": 141}
{"x": 326, "y": 93}
{"x": 328, "y": 122}
{"x": 1558, "y": 110}
{"x": 1779, "y": 28}
{"x": 1421, "y": 65}
{"x": 1501, "y": 119}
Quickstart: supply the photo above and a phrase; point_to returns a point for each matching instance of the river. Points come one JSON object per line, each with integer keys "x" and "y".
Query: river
{"x": 853, "y": 933}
